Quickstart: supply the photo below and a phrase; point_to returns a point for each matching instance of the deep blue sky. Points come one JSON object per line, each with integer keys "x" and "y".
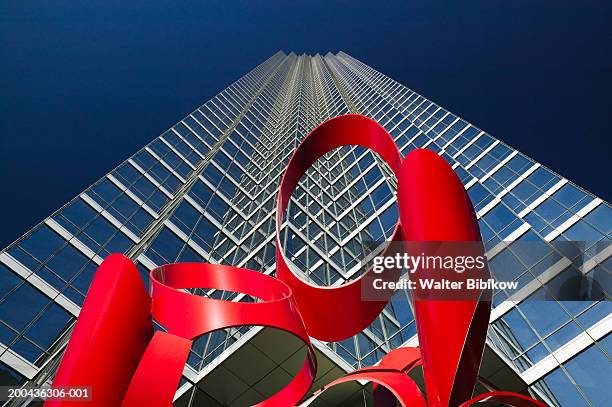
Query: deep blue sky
{"x": 83, "y": 85}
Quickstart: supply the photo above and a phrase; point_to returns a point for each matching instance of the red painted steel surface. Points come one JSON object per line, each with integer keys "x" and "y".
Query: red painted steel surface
{"x": 114, "y": 328}
{"x": 350, "y": 314}
{"x": 434, "y": 206}
{"x": 159, "y": 372}
{"x": 403, "y": 360}
{"x": 190, "y": 315}
{"x": 397, "y": 383}
{"x": 110, "y": 335}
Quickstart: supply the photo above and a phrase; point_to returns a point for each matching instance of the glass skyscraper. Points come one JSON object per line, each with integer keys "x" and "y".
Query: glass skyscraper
{"x": 205, "y": 191}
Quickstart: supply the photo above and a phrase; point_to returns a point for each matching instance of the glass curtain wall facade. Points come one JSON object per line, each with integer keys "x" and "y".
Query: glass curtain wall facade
{"x": 205, "y": 190}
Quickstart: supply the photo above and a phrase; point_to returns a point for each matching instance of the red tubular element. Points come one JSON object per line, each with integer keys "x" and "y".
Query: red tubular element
{"x": 190, "y": 315}
{"x": 350, "y": 314}
{"x": 505, "y": 397}
{"x": 159, "y": 372}
{"x": 434, "y": 206}
{"x": 109, "y": 337}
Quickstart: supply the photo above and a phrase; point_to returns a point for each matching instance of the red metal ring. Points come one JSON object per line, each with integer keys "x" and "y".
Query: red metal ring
{"x": 189, "y": 316}
{"x": 332, "y": 313}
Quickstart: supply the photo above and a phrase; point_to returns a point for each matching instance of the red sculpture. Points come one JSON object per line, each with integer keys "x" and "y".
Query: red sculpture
{"x": 113, "y": 348}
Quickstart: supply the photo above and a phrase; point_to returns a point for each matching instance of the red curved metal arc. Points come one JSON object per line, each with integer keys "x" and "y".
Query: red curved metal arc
{"x": 402, "y": 360}
{"x": 190, "y": 315}
{"x": 505, "y": 397}
{"x": 109, "y": 337}
{"x": 434, "y": 206}
{"x": 402, "y": 387}
{"x": 350, "y": 314}
{"x": 158, "y": 375}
